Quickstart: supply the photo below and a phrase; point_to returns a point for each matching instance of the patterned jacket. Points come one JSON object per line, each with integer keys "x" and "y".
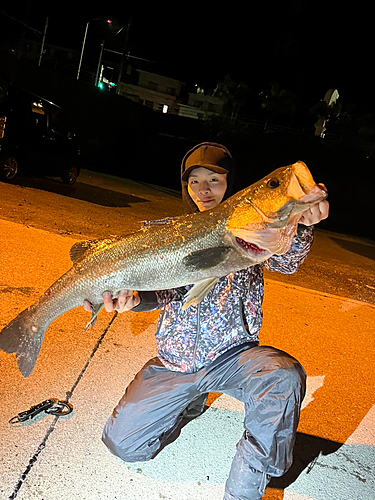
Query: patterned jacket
{"x": 231, "y": 313}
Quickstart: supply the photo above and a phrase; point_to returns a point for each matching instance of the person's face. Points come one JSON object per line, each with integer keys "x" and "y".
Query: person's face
{"x": 206, "y": 188}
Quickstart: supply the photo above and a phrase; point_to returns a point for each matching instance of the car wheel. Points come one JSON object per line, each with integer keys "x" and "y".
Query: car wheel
{"x": 8, "y": 168}
{"x": 70, "y": 175}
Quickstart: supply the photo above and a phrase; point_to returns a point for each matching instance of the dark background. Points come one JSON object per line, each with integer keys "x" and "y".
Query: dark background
{"x": 305, "y": 47}
{"x": 308, "y": 47}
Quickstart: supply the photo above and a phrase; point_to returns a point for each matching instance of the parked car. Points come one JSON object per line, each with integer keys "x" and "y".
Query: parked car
{"x": 35, "y": 137}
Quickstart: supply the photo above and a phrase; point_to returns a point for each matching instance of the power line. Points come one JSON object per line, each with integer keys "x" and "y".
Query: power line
{"x": 21, "y": 22}
{"x": 128, "y": 56}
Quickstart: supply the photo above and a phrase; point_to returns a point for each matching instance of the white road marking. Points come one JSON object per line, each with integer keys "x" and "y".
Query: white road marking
{"x": 365, "y": 432}
{"x": 291, "y": 495}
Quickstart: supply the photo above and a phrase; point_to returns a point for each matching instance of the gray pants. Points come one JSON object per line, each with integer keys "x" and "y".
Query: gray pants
{"x": 268, "y": 381}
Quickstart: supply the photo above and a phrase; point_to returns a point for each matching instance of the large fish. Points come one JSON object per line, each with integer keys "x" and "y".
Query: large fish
{"x": 197, "y": 249}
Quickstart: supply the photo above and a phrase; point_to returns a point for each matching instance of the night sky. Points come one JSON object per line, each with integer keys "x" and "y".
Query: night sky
{"x": 306, "y": 48}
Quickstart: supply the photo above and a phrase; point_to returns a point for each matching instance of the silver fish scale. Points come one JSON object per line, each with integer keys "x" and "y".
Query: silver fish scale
{"x": 119, "y": 264}
{"x": 150, "y": 259}
{"x": 154, "y": 257}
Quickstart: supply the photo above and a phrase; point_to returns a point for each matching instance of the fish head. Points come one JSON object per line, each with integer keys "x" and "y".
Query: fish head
{"x": 264, "y": 216}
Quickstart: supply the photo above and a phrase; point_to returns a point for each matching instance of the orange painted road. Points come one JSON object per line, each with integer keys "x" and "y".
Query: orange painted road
{"x": 328, "y": 327}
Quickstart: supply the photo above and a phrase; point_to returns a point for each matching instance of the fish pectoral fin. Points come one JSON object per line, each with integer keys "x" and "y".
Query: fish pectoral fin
{"x": 95, "y": 309}
{"x": 198, "y": 292}
{"x": 205, "y": 259}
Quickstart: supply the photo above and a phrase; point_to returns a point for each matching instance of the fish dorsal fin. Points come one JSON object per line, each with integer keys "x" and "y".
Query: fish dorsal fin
{"x": 158, "y": 222}
{"x": 198, "y": 292}
{"x": 205, "y": 259}
{"x": 80, "y": 248}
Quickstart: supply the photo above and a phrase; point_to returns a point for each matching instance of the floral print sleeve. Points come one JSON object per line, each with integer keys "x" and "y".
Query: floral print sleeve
{"x": 292, "y": 260}
{"x": 151, "y": 301}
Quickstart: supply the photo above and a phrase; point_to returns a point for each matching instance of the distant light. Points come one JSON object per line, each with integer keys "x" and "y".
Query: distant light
{"x": 109, "y": 21}
{"x": 165, "y": 108}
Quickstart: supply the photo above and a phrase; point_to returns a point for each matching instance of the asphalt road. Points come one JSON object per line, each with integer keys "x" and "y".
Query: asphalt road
{"x": 99, "y": 205}
{"x": 324, "y": 316}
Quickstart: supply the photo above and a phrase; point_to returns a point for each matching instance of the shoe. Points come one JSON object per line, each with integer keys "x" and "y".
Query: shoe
{"x": 244, "y": 482}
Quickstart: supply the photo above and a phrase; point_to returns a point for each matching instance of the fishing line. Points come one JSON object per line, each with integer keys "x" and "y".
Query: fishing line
{"x": 51, "y": 428}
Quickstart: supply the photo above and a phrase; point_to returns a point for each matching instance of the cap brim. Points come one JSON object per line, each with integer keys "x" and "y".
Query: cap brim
{"x": 214, "y": 168}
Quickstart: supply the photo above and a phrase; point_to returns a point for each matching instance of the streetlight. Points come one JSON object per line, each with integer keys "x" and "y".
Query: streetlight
{"x": 97, "y": 77}
{"x": 84, "y": 40}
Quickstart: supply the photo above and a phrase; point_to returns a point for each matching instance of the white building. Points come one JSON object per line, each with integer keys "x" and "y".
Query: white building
{"x": 154, "y": 91}
{"x": 163, "y": 94}
{"x": 200, "y": 106}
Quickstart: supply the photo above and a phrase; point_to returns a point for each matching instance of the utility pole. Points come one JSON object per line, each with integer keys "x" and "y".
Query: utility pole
{"x": 123, "y": 56}
{"x": 109, "y": 21}
{"x": 83, "y": 47}
{"x": 97, "y": 77}
{"x": 44, "y": 38}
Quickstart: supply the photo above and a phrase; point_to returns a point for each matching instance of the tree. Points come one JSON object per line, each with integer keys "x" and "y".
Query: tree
{"x": 275, "y": 101}
{"x": 234, "y": 94}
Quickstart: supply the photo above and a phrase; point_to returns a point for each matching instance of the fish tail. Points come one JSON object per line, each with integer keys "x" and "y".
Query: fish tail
{"x": 24, "y": 337}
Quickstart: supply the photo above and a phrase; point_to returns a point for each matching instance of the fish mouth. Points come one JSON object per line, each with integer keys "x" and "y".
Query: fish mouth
{"x": 249, "y": 246}
{"x": 302, "y": 186}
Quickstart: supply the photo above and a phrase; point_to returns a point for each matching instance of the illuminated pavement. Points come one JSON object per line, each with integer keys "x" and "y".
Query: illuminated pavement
{"x": 51, "y": 458}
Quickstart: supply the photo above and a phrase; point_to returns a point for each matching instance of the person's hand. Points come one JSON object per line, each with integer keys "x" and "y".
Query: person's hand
{"x": 126, "y": 300}
{"x": 315, "y": 213}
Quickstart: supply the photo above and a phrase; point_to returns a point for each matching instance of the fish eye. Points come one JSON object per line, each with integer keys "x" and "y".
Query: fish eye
{"x": 273, "y": 183}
